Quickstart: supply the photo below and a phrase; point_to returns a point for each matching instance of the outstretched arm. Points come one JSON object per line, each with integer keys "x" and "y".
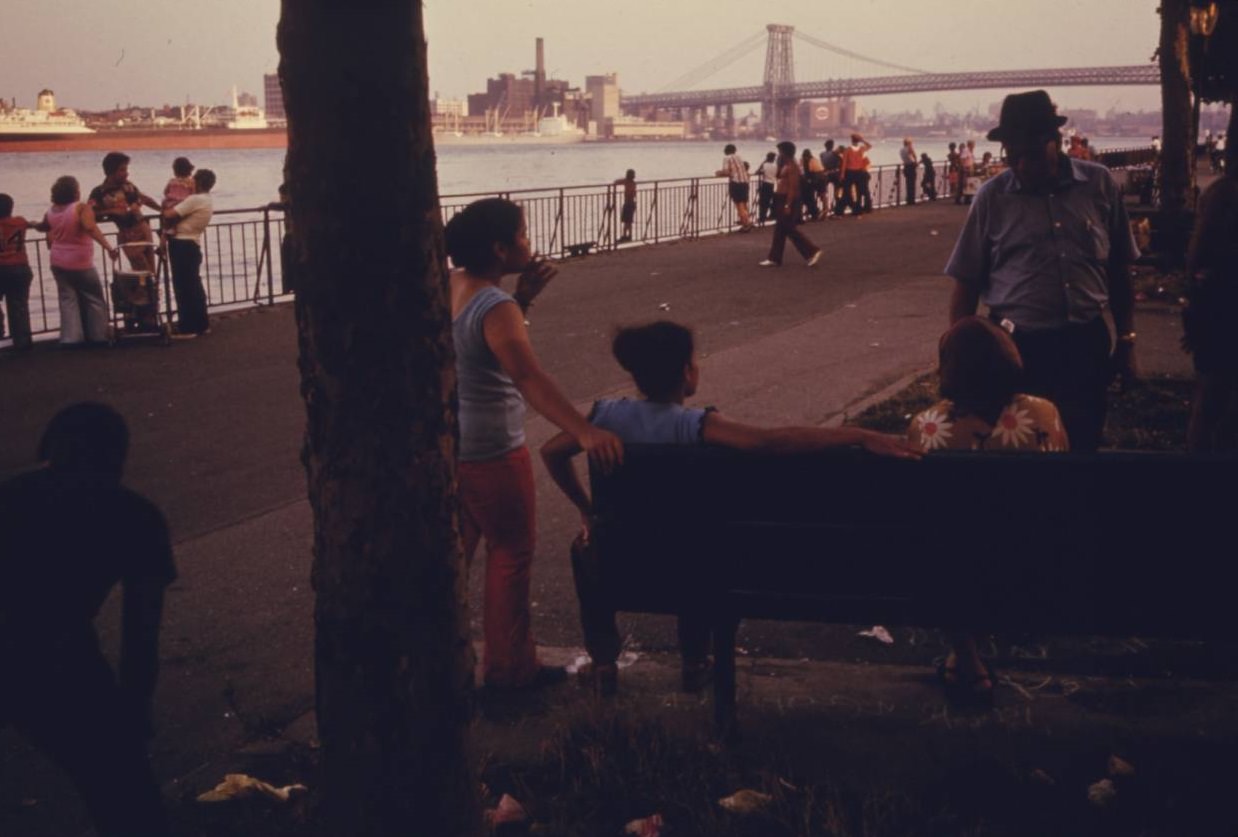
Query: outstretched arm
{"x": 726, "y": 433}
{"x": 507, "y": 337}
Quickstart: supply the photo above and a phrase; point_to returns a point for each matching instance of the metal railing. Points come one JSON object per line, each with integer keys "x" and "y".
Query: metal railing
{"x": 242, "y": 267}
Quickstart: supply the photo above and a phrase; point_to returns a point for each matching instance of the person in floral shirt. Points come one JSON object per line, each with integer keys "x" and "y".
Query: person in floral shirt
{"x": 981, "y": 409}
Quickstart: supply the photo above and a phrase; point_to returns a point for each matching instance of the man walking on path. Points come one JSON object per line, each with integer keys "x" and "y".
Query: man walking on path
{"x": 768, "y": 173}
{"x": 910, "y": 163}
{"x": 786, "y": 211}
{"x": 185, "y": 253}
{"x": 1047, "y": 247}
{"x": 735, "y": 170}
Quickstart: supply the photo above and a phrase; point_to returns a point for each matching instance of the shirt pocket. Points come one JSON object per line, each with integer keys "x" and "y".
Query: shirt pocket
{"x": 1089, "y": 232}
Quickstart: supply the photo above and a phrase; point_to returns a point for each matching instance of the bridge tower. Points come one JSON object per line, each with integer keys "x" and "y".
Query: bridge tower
{"x": 778, "y": 106}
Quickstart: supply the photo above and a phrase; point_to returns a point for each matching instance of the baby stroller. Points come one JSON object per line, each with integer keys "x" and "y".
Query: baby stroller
{"x": 135, "y": 299}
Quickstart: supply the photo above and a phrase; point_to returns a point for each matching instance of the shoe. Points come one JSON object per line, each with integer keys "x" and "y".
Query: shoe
{"x": 696, "y": 676}
{"x": 183, "y": 335}
{"x": 601, "y": 679}
{"x": 768, "y": 263}
{"x": 816, "y": 257}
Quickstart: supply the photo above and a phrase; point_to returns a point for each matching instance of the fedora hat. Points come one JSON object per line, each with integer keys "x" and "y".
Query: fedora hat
{"x": 1025, "y": 114}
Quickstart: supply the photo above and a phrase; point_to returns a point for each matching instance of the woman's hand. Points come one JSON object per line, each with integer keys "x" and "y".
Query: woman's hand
{"x": 603, "y": 448}
{"x": 885, "y": 444}
{"x": 534, "y": 280}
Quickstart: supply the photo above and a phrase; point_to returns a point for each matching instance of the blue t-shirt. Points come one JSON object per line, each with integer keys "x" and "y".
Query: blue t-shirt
{"x": 491, "y": 409}
{"x": 639, "y": 422}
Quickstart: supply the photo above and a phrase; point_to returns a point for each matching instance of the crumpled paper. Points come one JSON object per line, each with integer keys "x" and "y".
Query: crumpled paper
{"x": 879, "y": 633}
{"x": 241, "y": 786}
{"x": 1102, "y": 793}
{"x": 652, "y": 826}
{"x": 745, "y": 801}
{"x": 1120, "y": 767}
{"x": 506, "y": 812}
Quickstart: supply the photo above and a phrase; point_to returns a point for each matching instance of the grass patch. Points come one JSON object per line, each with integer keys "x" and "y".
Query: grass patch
{"x": 1151, "y": 416}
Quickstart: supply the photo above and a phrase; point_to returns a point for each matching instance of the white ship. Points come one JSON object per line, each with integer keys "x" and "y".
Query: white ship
{"x": 555, "y": 129}
{"x": 246, "y": 117}
{"x": 44, "y": 122}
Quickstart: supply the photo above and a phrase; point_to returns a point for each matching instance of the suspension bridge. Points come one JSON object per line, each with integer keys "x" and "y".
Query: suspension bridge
{"x": 780, "y": 94}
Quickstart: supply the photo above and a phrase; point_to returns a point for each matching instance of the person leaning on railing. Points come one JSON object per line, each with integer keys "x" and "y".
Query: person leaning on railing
{"x": 70, "y": 227}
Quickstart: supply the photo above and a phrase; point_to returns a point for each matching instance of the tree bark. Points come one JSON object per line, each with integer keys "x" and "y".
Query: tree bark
{"x": 1178, "y": 138}
{"x": 392, "y": 659}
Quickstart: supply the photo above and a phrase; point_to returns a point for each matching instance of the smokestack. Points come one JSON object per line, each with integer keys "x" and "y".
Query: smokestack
{"x": 539, "y": 75}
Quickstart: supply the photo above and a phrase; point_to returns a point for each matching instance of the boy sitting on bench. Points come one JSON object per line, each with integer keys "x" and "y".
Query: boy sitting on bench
{"x": 660, "y": 358}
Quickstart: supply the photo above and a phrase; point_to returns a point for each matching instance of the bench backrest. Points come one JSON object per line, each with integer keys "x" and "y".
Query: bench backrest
{"x": 1068, "y": 543}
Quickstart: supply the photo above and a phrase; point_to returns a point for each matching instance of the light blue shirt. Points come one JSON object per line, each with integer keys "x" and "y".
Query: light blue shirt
{"x": 491, "y": 409}
{"x": 1041, "y": 260}
{"x": 639, "y": 422}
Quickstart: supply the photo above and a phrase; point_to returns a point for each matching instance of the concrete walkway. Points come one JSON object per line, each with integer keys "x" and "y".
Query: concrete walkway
{"x": 217, "y": 423}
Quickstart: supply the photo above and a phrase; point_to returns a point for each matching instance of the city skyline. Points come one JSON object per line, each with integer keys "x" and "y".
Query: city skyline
{"x": 200, "y": 52}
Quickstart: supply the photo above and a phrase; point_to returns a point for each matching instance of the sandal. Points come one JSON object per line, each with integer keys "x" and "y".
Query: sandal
{"x": 973, "y": 691}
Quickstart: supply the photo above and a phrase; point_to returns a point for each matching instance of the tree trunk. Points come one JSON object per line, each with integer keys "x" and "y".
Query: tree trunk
{"x": 1178, "y": 141}
{"x": 392, "y": 659}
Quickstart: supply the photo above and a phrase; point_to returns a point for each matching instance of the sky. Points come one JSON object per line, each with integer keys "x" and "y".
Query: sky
{"x": 109, "y": 52}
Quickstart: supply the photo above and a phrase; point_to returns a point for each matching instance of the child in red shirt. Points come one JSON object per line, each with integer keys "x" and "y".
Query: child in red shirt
{"x": 15, "y": 274}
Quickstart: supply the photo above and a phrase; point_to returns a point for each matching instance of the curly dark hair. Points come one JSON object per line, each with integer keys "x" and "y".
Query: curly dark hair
{"x": 655, "y": 355}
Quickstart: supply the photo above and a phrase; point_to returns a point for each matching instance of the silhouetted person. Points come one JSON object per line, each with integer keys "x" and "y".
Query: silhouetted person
{"x": 71, "y": 533}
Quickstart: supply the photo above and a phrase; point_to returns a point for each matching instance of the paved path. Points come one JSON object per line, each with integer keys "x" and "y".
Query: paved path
{"x": 217, "y": 423}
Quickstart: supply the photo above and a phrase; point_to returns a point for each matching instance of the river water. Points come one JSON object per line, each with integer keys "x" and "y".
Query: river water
{"x": 251, "y": 178}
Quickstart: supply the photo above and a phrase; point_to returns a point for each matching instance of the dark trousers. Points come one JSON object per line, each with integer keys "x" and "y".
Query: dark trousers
{"x": 785, "y": 228}
{"x": 909, "y": 176}
{"x": 929, "y": 187}
{"x": 597, "y": 615}
{"x": 865, "y": 195}
{"x": 186, "y": 259}
{"x": 1072, "y": 368}
{"x": 765, "y": 200}
{"x": 15, "y": 288}
{"x": 808, "y": 198}
{"x": 847, "y": 194}
{"x": 72, "y": 710}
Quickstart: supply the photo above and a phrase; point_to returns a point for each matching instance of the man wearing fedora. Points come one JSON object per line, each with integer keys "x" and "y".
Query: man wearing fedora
{"x": 1047, "y": 247}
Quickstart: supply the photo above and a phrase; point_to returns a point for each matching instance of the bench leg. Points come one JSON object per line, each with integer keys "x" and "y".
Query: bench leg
{"x": 724, "y": 679}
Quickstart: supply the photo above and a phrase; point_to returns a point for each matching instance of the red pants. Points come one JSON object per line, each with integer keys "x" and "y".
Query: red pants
{"x": 497, "y": 503}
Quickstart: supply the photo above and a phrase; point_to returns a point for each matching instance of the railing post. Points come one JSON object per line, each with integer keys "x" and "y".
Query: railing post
{"x": 656, "y": 211}
{"x": 266, "y": 244}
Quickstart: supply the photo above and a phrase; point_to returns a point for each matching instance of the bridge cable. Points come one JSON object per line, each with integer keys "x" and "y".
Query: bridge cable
{"x": 717, "y": 63}
{"x": 817, "y": 42}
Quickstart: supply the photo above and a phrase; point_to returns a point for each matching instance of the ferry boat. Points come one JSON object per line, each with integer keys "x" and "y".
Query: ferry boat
{"x": 46, "y": 121}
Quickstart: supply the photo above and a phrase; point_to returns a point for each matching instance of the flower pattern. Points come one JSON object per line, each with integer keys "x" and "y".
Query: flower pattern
{"x": 933, "y": 429}
{"x": 1027, "y": 423}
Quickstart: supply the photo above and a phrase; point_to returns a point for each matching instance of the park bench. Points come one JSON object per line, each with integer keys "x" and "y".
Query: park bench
{"x": 1113, "y": 543}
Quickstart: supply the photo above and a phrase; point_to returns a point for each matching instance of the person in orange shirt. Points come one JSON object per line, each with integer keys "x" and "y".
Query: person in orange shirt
{"x": 856, "y": 192}
{"x": 15, "y": 274}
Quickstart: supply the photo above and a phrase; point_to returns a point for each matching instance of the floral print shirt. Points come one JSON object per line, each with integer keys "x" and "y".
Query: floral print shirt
{"x": 1027, "y": 423}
